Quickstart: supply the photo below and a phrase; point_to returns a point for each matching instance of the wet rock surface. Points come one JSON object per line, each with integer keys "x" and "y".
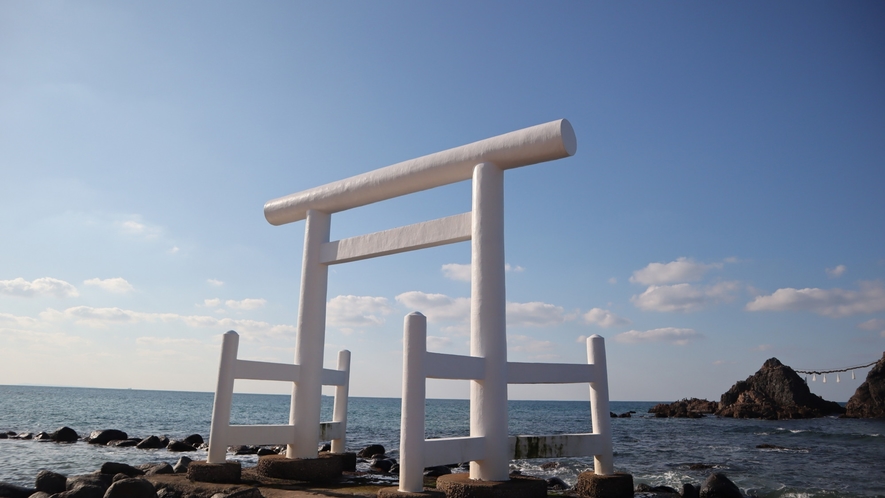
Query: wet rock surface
{"x": 868, "y": 400}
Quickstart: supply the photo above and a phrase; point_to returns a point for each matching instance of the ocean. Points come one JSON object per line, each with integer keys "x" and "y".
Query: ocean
{"x": 825, "y": 457}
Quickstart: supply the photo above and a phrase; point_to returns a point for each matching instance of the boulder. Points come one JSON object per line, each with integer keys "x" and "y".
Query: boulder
{"x": 180, "y": 466}
{"x": 383, "y": 464}
{"x": 43, "y": 436}
{"x": 124, "y": 443}
{"x": 12, "y": 491}
{"x": 439, "y": 470}
{"x": 556, "y": 484}
{"x": 131, "y": 488}
{"x": 869, "y": 399}
{"x": 370, "y": 451}
{"x": 65, "y": 435}
{"x": 690, "y": 491}
{"x": 720, "y": 486}
{"x": 82, "y": 491}
{"x": 685, "y": 408}
{"x": 775, "y": 392}
{"x": 194, "y": 440}
{"x": 179, "y": 446}
{"x": 50, "y": 482}
{"x": 106, "y": 436}
{"x": 151, "y": 443}
{"x": 160, "y": 468}
{"x": 114, "y": 468}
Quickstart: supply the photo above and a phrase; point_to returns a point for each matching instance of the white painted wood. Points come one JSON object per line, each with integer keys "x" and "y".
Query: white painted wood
{"x": 442, "y": 451}
{"x": 600, "y": 416}
{"x": 450, "y": 366}
{"x": 332, "y": 431}
{"x": 339, "y": 407}
{"x": 334, "y": 377}
{"x": 260, "y": 435}
{"x": 556, "y": 446}
{"x": 488, "y": 329}
{"x": 262, "y": 370}
{"x": 549, "y": 373}
{"x": 224, "y": 391}
{"x": 544, "y": 142}
{"x": 310, "y": 338}
{"x": 411, "y": 443}
{"x": 432, "y": 233}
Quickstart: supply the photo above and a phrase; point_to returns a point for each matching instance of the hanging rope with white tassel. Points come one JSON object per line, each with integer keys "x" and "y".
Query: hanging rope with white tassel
{"x": 823, "y": 373}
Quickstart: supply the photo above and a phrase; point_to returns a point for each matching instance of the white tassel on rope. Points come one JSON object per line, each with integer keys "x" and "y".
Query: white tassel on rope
{"x": 825, "y": 378}
{"x": 813, "y": 377}
{"x": 837, "y": 378}
{"x": 852, "y": 375}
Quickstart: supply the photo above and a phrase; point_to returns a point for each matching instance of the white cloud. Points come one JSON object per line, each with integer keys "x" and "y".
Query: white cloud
{"x": 173, "y": 250}
{"x": 212, "y": 303}
{"x": 357, "y": 311}
{"x": 114, "y": 285}
{"x": 436, "y": 307}
{"x": 683, "y": 297}
{"x": 45, "y": 286}
{"x": 135, "y": 227}
{"x": 873, "y": 324}
{"x": 681, "y": 270}
{"x": 763, "y": 347}
{"x": 245, "y": 304}
{"x": 676, "y": 336}
{"x": 613, "y": 280}
{"x": 437, "y": 343}
{"x": 834, "y": 303}
{"x": 216, "y": 283}
{"x": 604, "y": 318}
{"x": 461, "y": 272}
{"x": 456, "y": 271}
{"x": 836, "y": 272}
{"x": 526, "y": 344}
{"x": 534, "y": 314}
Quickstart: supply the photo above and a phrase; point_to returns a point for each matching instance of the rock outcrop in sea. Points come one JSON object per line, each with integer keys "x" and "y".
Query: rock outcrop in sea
{"x": 775, "y": 392}
{"x": 685, "y": 408}
{"x": 869, "y": 399}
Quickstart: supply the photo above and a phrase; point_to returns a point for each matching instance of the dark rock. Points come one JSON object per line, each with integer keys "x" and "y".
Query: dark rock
{"x": 106, "y": 436}
{"x": 370, "y": 451}
{"x": 180, "y": 466}
{"x": 265, "y": 451}
{"x": 690, "y": 491}
{"x": 162, "y": 468}
{"x": 25, "y": 435}
{"x": 612, "y": 414}
{"x": 82, "y": 491}
{"x": 246, "y": 493}
{"x": 869, "y": 399}
{"x": 119, "y": 477}
{"x": 439, "y": 470}
{"x": 324, "y": 447}
{"x": 194, "y": 440}
{"x": 625, "y": 415}
{"x": 382, "y": 464}
{"x": 645, "y": 488}
{"x": 245, "y": 450}
{"x": 769, "y": 447}
{"x": 41, "y": 494}
{"x": 4, "y": 435}
{"x": 65, "y": 435}
{"x": 131, "y": 488}
{"x": 699, "y": 466}
{"x": 179, "y": 446}
{"x": 168, "y": 493}
{"x": 719, "y": 486}
{"x": 43, "y": 436}
{"x": 102, "y": 481}
{"x": 549, "y": 465}
{"x": 50, "y": 482}
{"x": 685, "y": 408}
{"x": 556, "y": 484}
{"x": 124, "y": 443}
{"x": 12, "y": 491}
{"x": 151, "y": 442}
{"x": 775, "y": 392}
{"x": 114, "y": 468}
{"x": 227, "y": 472}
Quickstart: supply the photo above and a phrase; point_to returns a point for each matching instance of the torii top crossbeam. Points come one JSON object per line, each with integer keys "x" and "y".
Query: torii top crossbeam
{"x": 537, "y": 144}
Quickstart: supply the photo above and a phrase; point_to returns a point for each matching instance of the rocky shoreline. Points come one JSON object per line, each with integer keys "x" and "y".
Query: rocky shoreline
{"x": 777, "y": 392}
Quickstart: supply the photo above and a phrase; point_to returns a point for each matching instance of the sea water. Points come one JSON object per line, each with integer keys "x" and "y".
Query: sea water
{"x": 825, "y": 457}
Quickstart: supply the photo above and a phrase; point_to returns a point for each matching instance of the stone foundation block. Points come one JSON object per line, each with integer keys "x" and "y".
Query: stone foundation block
{"x": 461, "y": 486}
{"x": 617, "y": 485}
{"x": 326, "y": 468}
{"x": 227, "y": 472}
{"x": 394, "y": 493}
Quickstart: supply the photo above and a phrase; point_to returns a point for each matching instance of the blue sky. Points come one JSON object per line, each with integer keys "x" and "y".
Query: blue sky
{"x": 724, "y": 206}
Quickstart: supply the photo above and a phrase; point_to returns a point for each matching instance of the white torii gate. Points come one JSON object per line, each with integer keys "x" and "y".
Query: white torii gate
{"x": 484, "y": 162}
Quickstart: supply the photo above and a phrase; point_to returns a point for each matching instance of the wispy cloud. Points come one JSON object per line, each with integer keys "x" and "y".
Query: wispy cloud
{"x": 357, "y": 311}
{"x": 116, "y": 285}
{"x": 214, "y": 282}
{"x": 604, "y": 318}
{"x": 679, "y": 337}
{"x": 436, "y": 307}
{"x": 46, "y": 286}
{"x": 685, "y": 298}
{"x": 835, "y": 303}
{"x": 872, "y": 324}
{"x": 535, "y": 314}
{"x": 135, "y": 226}
{"x": 681, "y": 270}
{"x": 836, "y": 272}
{"x": 461, "y": 272}
{"x": 245, "y": 304}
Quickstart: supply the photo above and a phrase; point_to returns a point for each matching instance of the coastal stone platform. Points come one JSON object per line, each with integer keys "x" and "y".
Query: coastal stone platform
{"x": 461, "y": 486}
